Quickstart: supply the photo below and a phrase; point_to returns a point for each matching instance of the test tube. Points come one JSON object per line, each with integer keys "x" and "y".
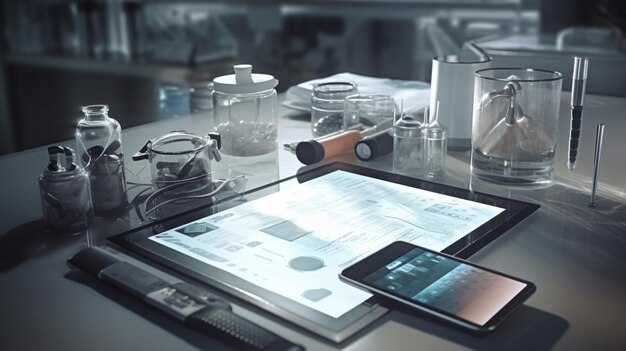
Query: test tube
{"x": 435, "y": 148}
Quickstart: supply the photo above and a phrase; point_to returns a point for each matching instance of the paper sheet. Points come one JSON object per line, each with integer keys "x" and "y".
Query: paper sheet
{"x": 296, "y": 241}
{"x": 415, "y": 95}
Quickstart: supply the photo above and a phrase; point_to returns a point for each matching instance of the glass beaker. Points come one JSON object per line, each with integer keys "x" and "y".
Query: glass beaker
{"x": 514, "y": 125}
{"x": 368, "y": 110}
{"x": 327, "y": 106}
{"x": 245, "y": 112}
{"x": 180, "y": 157}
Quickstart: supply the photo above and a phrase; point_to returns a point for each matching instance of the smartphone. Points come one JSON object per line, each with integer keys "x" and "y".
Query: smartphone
{"x": 444, "y": 286}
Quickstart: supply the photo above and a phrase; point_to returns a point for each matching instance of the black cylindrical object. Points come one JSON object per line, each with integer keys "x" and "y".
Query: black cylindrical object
{"x": 374, "y": 146}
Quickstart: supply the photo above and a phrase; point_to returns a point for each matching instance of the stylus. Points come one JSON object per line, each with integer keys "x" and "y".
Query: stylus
{"x": 190, "y": 304}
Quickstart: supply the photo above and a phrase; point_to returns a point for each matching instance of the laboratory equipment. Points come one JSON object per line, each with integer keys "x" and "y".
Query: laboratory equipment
{"x": 452, "y": 83}
{"x": 515, "y": 125}
{"x": 316, "y": 150}
{"x": 327, "y": 106}
{"x": 181, "y": 170}
{"x": 579, "y": 85}
{"x": 64, "y": 190}
{"x": 99, "y": 150}
{"x": 408, "y": 142}
{"x": 180, "y": 157}
{"x": 293, "y": 145}
{"x": 435, "y": 146}
{"x": 245, "y": 112}
{"x": 374, "y": 146}
{"x": 367, "y": 109}
{"x": 596, "y": 163}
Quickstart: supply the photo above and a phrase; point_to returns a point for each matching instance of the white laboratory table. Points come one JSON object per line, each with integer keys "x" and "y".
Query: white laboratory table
{"x": 576, "y": 256}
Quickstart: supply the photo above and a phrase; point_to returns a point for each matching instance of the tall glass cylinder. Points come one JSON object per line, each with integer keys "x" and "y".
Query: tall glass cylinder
{"x": 514, "y": 125}
{"x": 435, "y": 151}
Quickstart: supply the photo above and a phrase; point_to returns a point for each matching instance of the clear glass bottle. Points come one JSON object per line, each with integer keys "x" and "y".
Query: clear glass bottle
{"x": 99, "y": 150}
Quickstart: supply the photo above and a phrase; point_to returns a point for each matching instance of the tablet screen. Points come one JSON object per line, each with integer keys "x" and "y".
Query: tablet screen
{"x": 295, "y": 241}
{"x": 280, "y": 246}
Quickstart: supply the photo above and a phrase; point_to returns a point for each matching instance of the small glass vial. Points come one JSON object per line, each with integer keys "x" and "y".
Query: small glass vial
{"x": 435, "y": 148}
{"x": 327, "y": 106}
{"x": 99, "y": 150}
{"x": 408, "y": 142}
{"x": 65, "y": 197}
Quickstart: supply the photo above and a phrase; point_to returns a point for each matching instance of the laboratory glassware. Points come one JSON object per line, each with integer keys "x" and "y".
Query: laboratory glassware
{"x": 245, "y": 112}
{"x": 99, "y": 150}
{"x": 327, "y": 106}
{"x": 514, "y": 125}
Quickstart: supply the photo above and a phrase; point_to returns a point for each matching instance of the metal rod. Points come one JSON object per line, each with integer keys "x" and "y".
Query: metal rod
{"x": 596, "y": 163}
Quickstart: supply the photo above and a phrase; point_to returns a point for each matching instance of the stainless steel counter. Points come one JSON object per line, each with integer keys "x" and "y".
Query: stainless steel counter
{"x": 576, "y": 256}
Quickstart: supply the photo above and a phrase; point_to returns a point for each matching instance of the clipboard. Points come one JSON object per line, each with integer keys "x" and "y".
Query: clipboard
{"x": 336, "y": 329}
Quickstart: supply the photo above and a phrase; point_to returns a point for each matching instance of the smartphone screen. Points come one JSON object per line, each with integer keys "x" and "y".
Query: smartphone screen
{"x": 441, "y": 283}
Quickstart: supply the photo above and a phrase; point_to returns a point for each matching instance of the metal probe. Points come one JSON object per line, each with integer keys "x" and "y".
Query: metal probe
{"x": 596, "y": 162}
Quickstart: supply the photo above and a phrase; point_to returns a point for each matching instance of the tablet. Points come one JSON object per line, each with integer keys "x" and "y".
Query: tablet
{"x": 280, "y": 247}
{"x": 444, "y": 286}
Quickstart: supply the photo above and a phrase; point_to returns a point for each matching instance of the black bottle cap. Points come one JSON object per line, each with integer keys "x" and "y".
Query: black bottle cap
{"x": 374, "y": 146}
{"x": 309, "y": 152}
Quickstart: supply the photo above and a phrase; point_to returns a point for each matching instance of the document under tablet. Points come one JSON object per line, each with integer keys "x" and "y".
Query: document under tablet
{"x": 294, "y": 242}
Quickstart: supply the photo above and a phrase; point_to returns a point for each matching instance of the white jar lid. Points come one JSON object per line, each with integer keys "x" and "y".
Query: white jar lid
{"x": 244, "y": 81}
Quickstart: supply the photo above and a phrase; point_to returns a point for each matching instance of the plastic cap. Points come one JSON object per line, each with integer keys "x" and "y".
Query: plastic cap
{"x": 244, "y": 81}
{"x": 372, "y": 147}
{"x": 309, "y": 152}
{"x": 366, "y": 150}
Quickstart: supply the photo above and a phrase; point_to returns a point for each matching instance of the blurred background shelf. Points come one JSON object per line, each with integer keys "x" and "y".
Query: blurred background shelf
{"x": 56, "y": 56}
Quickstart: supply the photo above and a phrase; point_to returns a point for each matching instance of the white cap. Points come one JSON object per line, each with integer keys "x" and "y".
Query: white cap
{"x": 244, "y": 81}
